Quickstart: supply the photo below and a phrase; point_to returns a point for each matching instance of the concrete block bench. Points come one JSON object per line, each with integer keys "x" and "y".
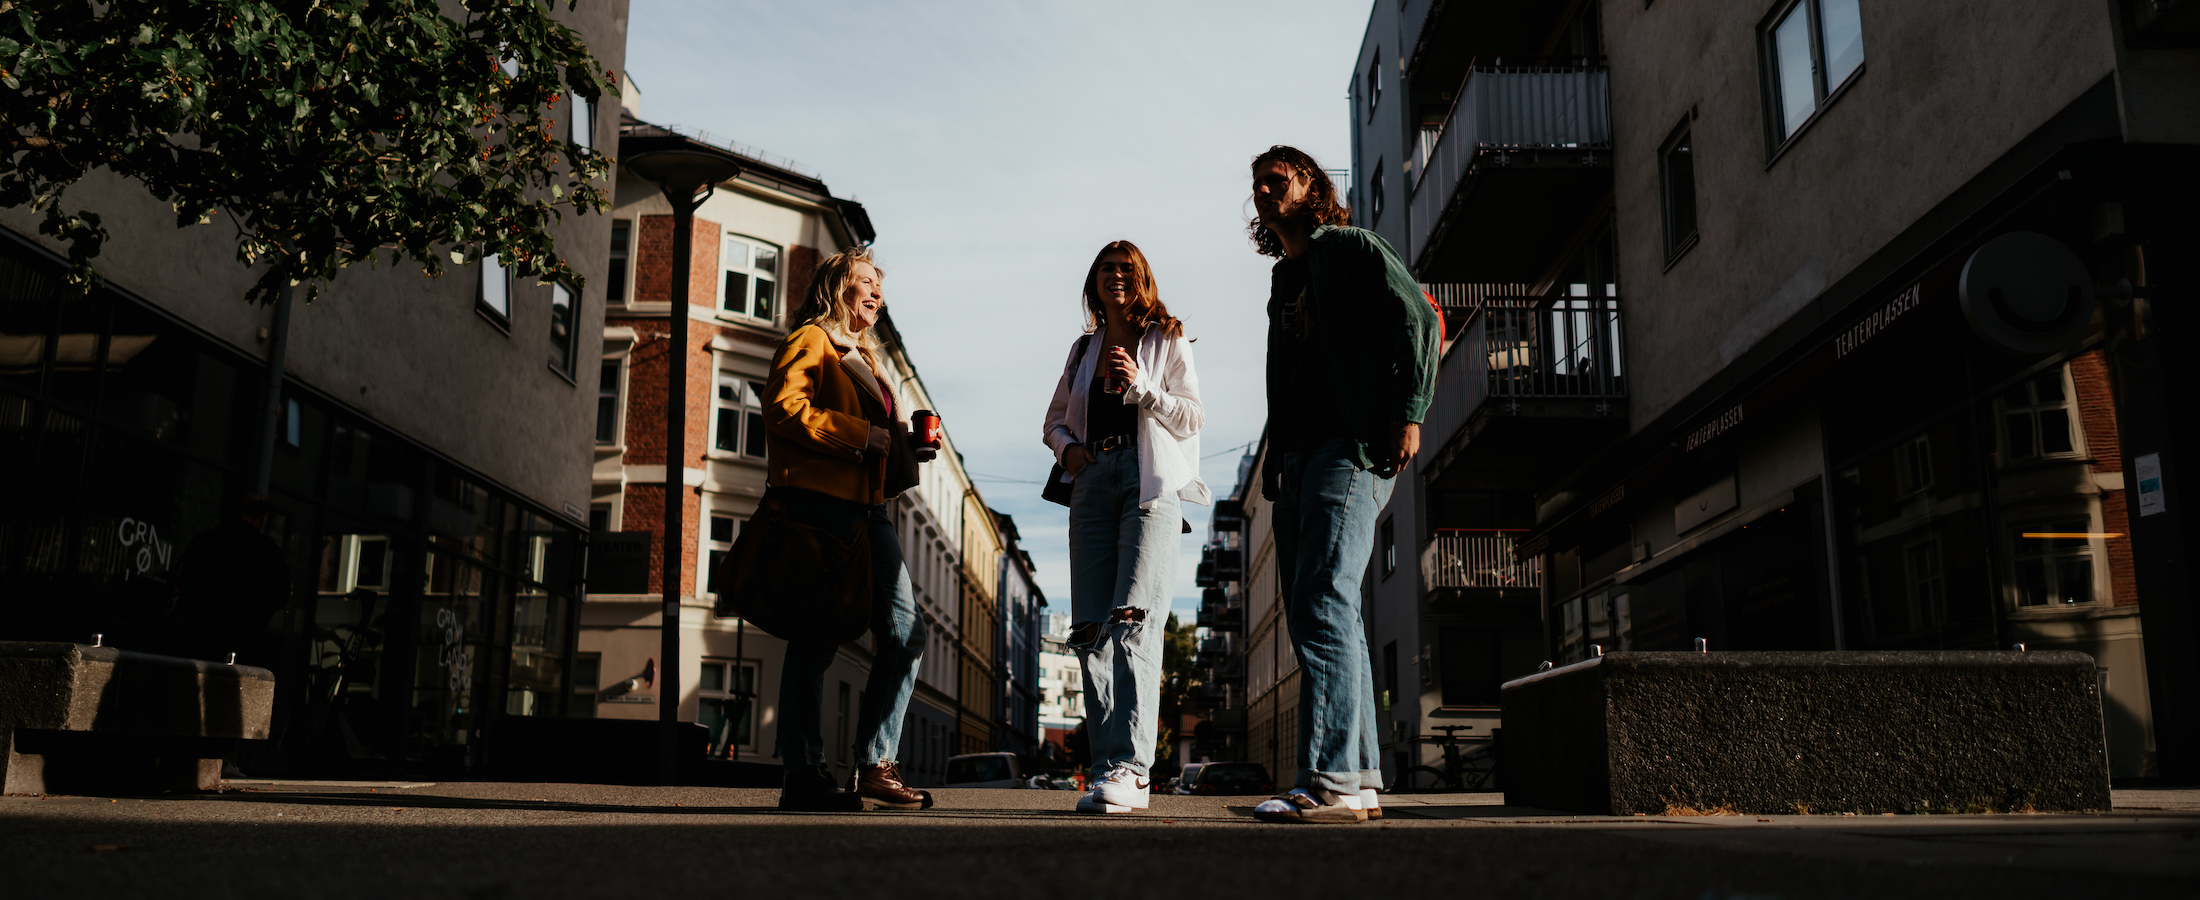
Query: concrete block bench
{"x": 76, "y": 718}
{"x": 1816, "y": 732}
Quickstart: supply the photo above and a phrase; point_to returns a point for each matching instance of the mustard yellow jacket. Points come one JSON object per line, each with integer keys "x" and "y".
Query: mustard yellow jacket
{"x": 815, "y": 425}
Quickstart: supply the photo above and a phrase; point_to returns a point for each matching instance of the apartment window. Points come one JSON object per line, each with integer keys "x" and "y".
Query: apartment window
{"x": 1375, "y": 194}
{"x": 293, "y": 423}
{"x": 750, "y": 286}
{"x": 607, "y": 402}
{"x": 727, "y": 688}
{"x": 717, "y": 543}
{"x": 1811, "y": 49}
{"x": 581, "y": 130}
{"x": 622, "y": 242}
{"x": 494, "y": 297}
{"x": 1913, "y": 465}
{"x": 1926, "y": 583}
{"x": 562, "y": 332}
{"x": 740, "y": 422}
{"x": 2054, "y": 562}
{"x": 1677, "y": 172}
{"x": 587, "y": 673}
{"x": 1390, "y": 672}
{"x": 1374, "y": 82}
{"x": 2035, "y": 418}
{"x": 1390, "y": 547}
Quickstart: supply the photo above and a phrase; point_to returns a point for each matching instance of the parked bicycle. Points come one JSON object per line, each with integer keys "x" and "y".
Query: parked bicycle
{"x": 1469, "y": 770}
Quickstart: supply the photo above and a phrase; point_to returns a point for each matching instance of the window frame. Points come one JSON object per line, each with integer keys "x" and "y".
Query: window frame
{"x": 617, "y": 395}
{"x": 710, "y": 549}
{"x": 489, "y": 267}
{"x": 580, "y": 125}
{"x": 1777, "y": 136}
{"x": 1678, "y": 245}
{"x": 2074, "y": 426}
{"x": 727, "y": 668}
{"x": 746, "y": 313}
{"x": 749, "y": 414}
{"x": 1374, "y": 83}
{"x": 2094, "y": 552}
{"x": 1375, "y": 193}
{"x": 620, "y": 270}
{"x": 567, "y": 369}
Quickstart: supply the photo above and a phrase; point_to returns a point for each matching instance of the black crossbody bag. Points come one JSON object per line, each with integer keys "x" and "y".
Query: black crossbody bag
{"x": 1059, "y": 484}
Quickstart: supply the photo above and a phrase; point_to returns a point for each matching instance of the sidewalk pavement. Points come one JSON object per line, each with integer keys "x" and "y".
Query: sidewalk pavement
{"x": 495, "y": 840}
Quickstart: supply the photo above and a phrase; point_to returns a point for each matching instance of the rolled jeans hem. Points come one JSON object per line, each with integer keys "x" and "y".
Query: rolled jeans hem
{"x": 1341, "y": 782}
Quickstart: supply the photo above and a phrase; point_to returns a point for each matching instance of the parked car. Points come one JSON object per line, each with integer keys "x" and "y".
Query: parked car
{"x": 1232, "y": 778}
{"x": 1182, "y": 784}
{"x": 985, "y": 770}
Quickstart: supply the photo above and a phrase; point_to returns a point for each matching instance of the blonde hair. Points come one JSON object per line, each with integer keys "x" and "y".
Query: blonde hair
{"x": 825, "y": 305}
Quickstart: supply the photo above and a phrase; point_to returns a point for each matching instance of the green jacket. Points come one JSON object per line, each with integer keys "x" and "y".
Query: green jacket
{"x": 1376, "y": 332}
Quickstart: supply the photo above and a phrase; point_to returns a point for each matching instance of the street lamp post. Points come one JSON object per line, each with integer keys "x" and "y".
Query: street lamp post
{"x": 682, "y": 169}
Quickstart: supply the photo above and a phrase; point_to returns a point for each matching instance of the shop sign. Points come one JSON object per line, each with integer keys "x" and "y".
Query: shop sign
{"x": 2150, "y": 483}
{"x": 1871, "y": 325}
{"x": 1716, "y": 426}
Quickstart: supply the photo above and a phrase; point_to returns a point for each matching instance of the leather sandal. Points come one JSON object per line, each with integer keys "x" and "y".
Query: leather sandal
{"x": 1300, "y": 806}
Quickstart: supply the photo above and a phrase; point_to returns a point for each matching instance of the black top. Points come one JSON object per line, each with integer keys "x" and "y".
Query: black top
{"x": 1106, "y": 415}
{"x": 1314, "y": 415}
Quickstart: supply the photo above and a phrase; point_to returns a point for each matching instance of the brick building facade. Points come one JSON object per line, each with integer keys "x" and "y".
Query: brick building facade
{"x": 755, "y": 244}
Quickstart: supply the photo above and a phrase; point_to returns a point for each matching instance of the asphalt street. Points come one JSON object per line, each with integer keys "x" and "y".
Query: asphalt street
{"x": 490, "y": 840}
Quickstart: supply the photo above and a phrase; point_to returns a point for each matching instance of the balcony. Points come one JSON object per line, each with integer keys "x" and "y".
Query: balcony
{"x": 1522, "y": 157}
{"x": 1528, "y": 388}
{"x": 1479, "y": 558}
{"x": 1221, "y": 617}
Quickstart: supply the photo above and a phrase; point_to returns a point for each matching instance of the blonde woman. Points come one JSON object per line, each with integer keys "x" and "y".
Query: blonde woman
{"x": 1125, "y": 423}
{"x": 836, "y": 451}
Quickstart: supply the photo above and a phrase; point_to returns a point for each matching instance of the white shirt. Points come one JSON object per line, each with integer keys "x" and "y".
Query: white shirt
{"x": 1170, "y": 416}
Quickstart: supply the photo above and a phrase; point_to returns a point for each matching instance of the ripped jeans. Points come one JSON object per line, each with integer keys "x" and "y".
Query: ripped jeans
{"x": 1122, "y": 563}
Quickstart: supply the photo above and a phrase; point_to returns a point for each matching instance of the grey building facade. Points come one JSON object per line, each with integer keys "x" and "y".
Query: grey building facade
{"x": 1731, "y": 352}
{"x": 429, "y": 466}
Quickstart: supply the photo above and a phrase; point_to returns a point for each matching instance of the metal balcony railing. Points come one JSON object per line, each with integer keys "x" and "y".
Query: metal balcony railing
{"x": 1570, "y": 348}
{"x": 1533, "y": 105}
{"x": 1518, "y": 348}
{"x": 1479, "y": 558}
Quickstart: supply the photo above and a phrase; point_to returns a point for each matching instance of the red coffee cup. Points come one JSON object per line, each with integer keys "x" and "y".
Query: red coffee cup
{"x": 924, "y": 428}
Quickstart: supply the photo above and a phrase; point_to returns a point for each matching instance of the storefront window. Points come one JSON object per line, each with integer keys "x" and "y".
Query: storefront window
{"x": 398, "y": 589}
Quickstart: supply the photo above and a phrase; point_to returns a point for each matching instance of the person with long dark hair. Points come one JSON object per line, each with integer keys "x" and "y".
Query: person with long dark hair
{"x": 1125, "y": 424}
{"x": 835, "y": 451}
{"x": 1352, "y": 355}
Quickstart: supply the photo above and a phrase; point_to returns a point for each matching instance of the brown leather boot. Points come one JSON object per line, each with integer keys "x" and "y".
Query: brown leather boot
{"x": 881, "y": 788}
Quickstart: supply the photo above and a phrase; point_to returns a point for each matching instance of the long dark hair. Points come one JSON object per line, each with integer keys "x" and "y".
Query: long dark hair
{"x": 1146, "y": 310}
{"x": 1321, "y": 207}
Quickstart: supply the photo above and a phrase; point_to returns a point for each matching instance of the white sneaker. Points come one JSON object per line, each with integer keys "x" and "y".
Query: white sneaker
{"x": 1371, "y": 802}
{"x": 1121, "y": 791}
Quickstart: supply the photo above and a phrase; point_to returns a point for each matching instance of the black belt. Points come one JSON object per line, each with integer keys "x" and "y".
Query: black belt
{"x": 1114, "y": 442}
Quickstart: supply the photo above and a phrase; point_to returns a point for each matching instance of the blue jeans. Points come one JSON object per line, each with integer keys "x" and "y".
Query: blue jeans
{"x": 1324, "y": 522}
{"x": 897, "y": 632}
{"x": 1122, "y": 562}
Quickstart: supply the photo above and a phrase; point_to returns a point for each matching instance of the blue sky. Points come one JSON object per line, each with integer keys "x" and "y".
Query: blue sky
{"x": 997, "y": 146}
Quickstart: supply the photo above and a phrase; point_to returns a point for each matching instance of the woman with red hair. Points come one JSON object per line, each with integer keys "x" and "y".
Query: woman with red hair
{"x": 1125, "y": 425}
